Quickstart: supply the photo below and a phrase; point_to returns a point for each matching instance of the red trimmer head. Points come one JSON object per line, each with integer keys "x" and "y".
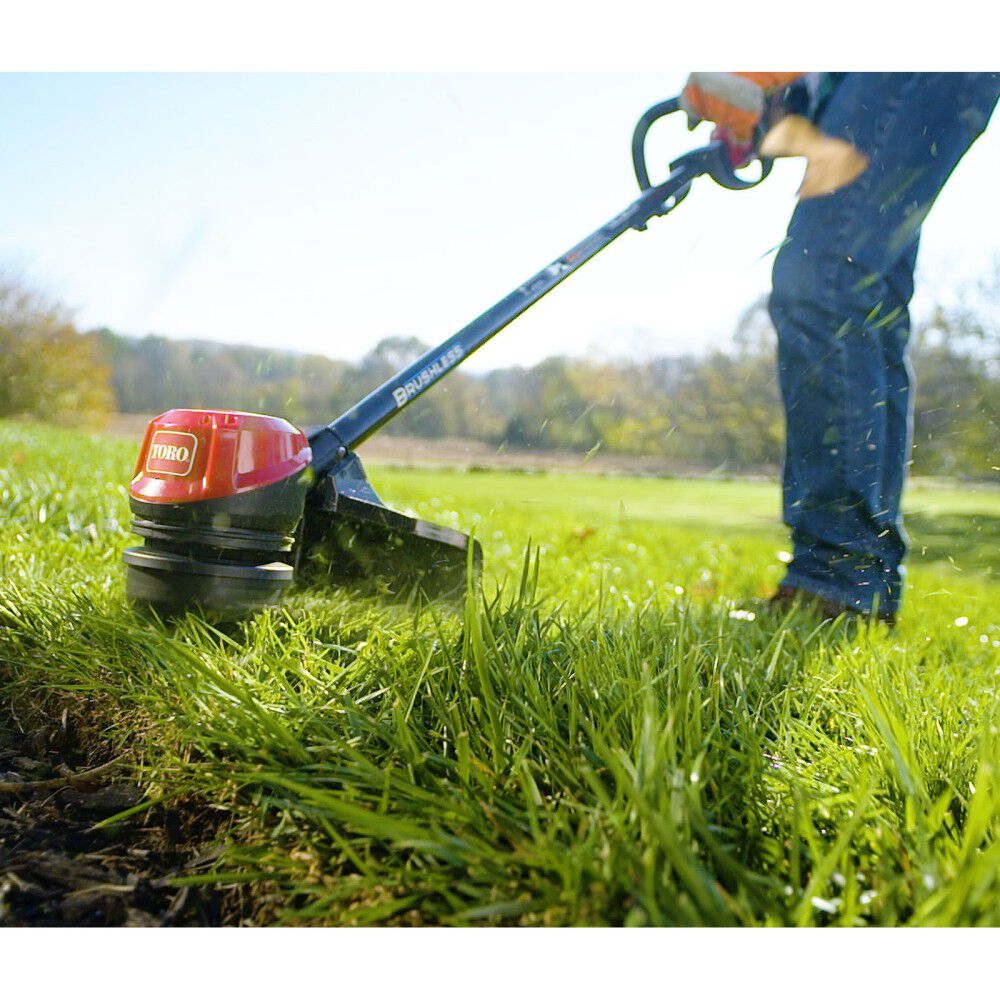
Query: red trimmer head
{"x": 216, "y": 497}
{"x": 231, "y": 507}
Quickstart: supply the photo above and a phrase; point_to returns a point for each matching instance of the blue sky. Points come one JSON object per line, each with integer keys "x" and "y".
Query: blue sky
{"x": 323, "y": 212}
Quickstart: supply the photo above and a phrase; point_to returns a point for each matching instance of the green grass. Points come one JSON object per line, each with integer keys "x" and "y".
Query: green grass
{"x": 612, "y": 731}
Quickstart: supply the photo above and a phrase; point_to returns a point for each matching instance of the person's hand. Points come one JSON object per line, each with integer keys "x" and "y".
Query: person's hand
{"x": 734, "y": 101}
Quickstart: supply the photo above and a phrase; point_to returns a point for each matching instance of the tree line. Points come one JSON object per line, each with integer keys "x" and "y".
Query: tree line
{"x": 717, "y": 410}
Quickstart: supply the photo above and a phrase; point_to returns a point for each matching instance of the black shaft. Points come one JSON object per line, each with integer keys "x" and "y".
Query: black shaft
{"x": 330, "y": 443}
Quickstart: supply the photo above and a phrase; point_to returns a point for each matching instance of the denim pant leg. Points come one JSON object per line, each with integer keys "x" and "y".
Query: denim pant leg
{"x": 894, "y": 337}
{"x": 842, "y": 284}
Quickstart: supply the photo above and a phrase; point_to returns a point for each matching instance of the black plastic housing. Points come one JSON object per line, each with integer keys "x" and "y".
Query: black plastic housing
{"x": 229, "y": 555}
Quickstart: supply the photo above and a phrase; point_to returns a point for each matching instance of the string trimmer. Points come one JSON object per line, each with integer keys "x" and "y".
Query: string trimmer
{"x": 232, "y": 506}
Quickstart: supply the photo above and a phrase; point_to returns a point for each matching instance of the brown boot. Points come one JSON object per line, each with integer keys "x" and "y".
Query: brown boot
{"x": 786, "y": 598}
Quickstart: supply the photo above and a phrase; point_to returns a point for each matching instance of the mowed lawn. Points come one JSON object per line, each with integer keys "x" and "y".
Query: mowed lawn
{"x": 620, "y": 734}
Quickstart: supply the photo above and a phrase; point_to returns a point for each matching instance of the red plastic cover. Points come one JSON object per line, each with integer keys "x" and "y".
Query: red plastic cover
{"x": 192, "y": 455}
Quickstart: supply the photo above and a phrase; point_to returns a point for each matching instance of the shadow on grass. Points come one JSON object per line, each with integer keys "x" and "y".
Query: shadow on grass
{"x": 969, "y": 541}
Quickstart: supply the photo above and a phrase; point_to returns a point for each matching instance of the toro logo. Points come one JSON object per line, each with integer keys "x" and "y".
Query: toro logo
{"x": 171, "y": 453}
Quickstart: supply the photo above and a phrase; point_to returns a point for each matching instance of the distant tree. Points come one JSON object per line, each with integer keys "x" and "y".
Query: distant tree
{"x": 721, "y": 409}
{"x": 48, "y": 369}
{"x": 727, "y": 412}
{"x": 956, "y": 357}
{"x": 151, "y": 374}
{"x": 454, "y": 407}
{"x": 391, "y": 354}
{"x": 726, "y": 406}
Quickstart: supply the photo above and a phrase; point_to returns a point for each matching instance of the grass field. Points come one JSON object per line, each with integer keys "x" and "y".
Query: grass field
{"x": 622, "y": 734}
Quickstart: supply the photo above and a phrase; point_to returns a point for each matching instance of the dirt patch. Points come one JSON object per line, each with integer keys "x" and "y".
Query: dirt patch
{"x": 58, "y": 867}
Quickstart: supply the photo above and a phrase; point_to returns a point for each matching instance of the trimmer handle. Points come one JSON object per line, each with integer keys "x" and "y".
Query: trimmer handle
{"x": 332, "y": 444}
{"x": 719, "y": 166}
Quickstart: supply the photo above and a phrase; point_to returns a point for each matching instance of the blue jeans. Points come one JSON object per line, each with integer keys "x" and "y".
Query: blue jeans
{"x": 842, "y": 285}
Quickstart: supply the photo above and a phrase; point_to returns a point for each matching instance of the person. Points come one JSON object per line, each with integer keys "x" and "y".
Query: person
{"x": 841, "y": 287}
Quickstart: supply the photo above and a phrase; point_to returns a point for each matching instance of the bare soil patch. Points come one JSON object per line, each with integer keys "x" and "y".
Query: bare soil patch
{"x": 58, "y": 867}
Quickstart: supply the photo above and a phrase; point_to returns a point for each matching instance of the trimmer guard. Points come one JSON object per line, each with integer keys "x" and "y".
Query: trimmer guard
{"x": 347, "y": 533}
